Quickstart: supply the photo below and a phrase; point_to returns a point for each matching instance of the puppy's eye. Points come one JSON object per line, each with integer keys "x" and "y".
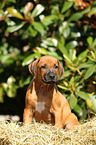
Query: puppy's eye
{"x": 56, "y": 66}
{"x": 43, "y": 66}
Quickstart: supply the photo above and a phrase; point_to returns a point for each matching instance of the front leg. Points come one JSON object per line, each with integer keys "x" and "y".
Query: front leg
{"x": 58, "y": 114}
{"x": 30, "y": 102}
{"x": 28, "y": 115}
{"x": 56, "y": 109}
{"x": 58, "y": 118}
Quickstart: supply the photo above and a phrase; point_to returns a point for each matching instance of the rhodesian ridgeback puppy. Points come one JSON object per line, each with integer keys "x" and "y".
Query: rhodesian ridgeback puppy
{"x": 43, "y": 100}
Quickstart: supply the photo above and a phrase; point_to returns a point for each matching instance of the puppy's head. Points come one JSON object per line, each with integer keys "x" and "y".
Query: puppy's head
{"x": 46, "y": 69}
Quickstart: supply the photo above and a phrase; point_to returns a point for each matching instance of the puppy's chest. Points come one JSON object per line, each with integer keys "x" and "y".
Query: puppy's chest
{"x": 42, "y": 104}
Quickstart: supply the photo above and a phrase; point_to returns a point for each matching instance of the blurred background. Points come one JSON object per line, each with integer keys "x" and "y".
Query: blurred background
{"x": 64, "y": 29}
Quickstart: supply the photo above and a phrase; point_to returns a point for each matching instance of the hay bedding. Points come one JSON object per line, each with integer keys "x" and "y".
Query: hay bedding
{"x": 42, "y": 134}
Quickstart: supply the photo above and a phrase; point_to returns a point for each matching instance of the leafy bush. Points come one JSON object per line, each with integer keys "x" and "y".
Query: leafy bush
{"x": 62, "y": 29}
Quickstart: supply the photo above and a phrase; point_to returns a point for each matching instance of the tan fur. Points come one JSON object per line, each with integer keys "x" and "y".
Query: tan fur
{"x": 56, "y": 108}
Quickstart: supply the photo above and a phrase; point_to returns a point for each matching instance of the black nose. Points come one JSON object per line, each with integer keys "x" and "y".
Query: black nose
{"x": 52, "y": 75}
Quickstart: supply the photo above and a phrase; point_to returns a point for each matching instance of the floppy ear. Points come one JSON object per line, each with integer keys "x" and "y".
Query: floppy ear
{"x": 61, "y": 70}
{"x": 32, "y": 67}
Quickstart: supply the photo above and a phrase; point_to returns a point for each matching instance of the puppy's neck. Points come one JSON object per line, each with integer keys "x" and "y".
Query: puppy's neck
{"x": 43, "y": 88}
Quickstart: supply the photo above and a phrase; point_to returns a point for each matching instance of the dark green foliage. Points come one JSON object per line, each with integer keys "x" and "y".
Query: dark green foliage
{"x": 58, "y": 28}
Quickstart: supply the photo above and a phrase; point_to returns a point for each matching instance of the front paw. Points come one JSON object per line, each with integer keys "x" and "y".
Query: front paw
{"x": 59, "y": 126}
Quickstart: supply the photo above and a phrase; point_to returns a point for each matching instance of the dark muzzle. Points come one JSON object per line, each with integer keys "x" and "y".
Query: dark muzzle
{"x": 50, "y": 77}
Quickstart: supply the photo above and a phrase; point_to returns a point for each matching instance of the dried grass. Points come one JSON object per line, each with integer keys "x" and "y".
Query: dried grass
{"x": 42, "y": 134}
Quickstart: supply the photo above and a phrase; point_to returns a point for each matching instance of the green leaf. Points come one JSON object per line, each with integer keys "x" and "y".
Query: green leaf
{"x": 55, "y": 9}
{"x": 54, "y": 54}
{"x": 38, "y": 10}
{"x": 11, "y": 80}
{"x": 49, "y": 19}
{"x": 67, "y": 6}
{"x": 1, "y": 95}
{"x": 14, "y": 13}
{"x": 62, "y": 48}
{"x": 14, "y": 28}
{"x": 85, "y": 11}
{"x": 1, "y": 70}
{"x": 91, "y": 102}
{"x": 89, "y": 40}
{"x": 76, "y": 16}
{"x": 75, "y": 34}
{"x": 32, "y": 31}
{"x": 66, "y": 74}
{"x": 10, "y": 22}
{"x": 30, "y": 58}
{"x": 93, "y": 55}
{"x": 72, "y": 53}
{"x": 62, "y": 87}
{"x": 62, "y": 40}
{"x": 6, "y": 59}
{"x": 67, "y": 59}
{"x": 90, "y": 71}
{"x": 42, "y": 50}
{"x": 83, "y": 95}
{"x": 71, "y": 81}
{"x": 27, "y": 81}
{"x": 50, "y": 42}
{"x": 38, "y": 26}
{"x": 72, "y": 101}
{"x": 64, "y": 29}
{"x": 94, "y": 43}
{"x": 85, "y": 65}
{"x": 66, "y": 32}
{"x": 12, "y": 1}
{"x": 5, "y": 86}
{"x": 11, "y": 92}
{"x": 83, "y": 55}
{"x": 71, "y": 44}
{"x": 92, "y": 11}
{"x": 22, "y": 83}
{"x": 78, "y": 109}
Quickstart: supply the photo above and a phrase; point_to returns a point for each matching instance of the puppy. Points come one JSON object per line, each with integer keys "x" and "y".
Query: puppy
{"x": 43, "y": 100}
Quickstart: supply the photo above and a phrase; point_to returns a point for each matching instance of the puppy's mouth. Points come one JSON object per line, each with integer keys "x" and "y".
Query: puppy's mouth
{"x": 50, "y": 78}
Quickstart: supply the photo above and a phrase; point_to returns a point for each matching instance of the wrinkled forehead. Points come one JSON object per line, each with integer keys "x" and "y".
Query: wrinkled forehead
{"x": 48, "y": 60}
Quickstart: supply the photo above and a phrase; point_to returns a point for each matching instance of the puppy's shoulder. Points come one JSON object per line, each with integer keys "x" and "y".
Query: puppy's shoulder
{"x": 30, "y": 88}
{"x": 30, "y": 85}
{"x": 61, "y": 97}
